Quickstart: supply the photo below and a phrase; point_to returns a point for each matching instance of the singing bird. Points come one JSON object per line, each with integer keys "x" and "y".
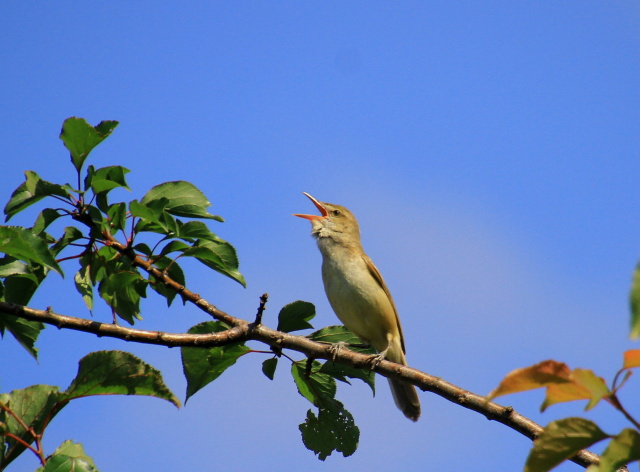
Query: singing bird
{"x": 358, "y": 294}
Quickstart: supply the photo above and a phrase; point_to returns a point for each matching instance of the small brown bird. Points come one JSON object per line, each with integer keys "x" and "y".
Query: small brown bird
{"x": 358, "y": 295}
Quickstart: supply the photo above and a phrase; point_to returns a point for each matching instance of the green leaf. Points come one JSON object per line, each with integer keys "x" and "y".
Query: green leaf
{"x": 295, "y": 316}
{"x": 117, "y": 373}
{"x": 11, "y": 266}
{"x": 117, "y": 216}
{"x": 32, "y": 190}
{"x": 269, "y": 367}
{"x": 184, "y": 199}
{"x": 22, "y": 244}
{"x": 25, "y": 410}
{"x": 20, "y": 287}
{"x": 318, "y": 388}
{"x": 219, "y": 256}
{"x": 175, "y": 273}
{"x": 622, "y": 450}
{"x": 342, "y": 371}
{"x": 80, "y": 137}
{"x": 634, "y": 299}
{"x": 122, "y": 290}
{"x": 106, "y": 179}
{"x": 44, "y": 219}
{"x": 560, "y": 441}
{"x": 203, "y": 365}
{"x": 153, "y": 217}
{"x": 69, "y": 457}
{"x": 340, "y": 334}
{"x": 174, "y": 246}
{"x": 26, "y": 332}
{"x": 331, "y": 430}
{"x": 82, "y": 281}
{"x": 71, "y": 234}
{"x": 192, "y": 230}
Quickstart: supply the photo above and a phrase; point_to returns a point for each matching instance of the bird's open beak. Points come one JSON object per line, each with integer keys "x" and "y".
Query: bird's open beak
{"x": 323, "y": 211}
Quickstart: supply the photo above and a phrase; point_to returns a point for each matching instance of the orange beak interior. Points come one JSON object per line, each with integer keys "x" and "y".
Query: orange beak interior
{"x": 323, "y": 211}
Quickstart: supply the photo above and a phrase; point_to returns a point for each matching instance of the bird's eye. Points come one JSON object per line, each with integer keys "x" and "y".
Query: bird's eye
{"x": 335, "y": 212}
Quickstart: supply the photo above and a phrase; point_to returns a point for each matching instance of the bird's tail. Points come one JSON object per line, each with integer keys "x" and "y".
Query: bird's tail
{"x": 404, "y": 394}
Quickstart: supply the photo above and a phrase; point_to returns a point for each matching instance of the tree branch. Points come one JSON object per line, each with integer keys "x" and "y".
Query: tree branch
{"x": 242, "y": 330}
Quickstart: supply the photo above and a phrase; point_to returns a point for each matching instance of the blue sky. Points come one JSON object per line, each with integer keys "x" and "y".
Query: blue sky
{"x": 490, "y": 151}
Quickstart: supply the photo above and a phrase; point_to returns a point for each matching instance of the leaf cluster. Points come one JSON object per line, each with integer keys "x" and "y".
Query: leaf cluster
{"x": 562, "y": 439}
{"x": 120, "y": 250}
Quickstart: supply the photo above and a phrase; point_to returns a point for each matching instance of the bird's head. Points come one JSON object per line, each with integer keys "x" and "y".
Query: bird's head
{"x": 334, "y": 221}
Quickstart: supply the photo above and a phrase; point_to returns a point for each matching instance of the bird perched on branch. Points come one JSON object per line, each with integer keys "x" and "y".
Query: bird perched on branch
{"x": 358, "y": 294}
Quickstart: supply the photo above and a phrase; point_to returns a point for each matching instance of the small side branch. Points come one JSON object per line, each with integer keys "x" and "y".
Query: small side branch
{"x": 261, "y": 308}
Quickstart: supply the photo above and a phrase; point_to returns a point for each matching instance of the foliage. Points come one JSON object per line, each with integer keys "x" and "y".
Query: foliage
{"x": 562, "y": 439}
{"x": 154, "y": 237}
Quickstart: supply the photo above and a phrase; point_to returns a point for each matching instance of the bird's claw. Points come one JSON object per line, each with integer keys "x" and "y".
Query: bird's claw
{"x": 375, "y": 360}
{"x": 335, "y": 349}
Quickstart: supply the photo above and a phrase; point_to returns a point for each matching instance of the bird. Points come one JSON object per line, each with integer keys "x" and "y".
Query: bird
{"x": 358, "y": 294}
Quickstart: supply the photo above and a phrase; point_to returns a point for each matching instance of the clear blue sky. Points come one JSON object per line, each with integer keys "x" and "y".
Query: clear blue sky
{"x": 491, "y": 152}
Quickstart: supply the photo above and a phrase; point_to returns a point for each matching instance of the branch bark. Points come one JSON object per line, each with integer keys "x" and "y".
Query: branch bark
{"x": 242, "y": 330}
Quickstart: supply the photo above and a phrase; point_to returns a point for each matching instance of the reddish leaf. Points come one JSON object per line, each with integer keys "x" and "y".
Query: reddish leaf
{"x": 528, "y": 378}
{"x": 564, "y": 392}
{"x": 631, "y": 359}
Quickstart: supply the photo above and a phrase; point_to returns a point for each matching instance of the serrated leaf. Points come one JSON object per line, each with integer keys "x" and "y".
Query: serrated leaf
{"x": 80, "y": 137}
{"x": 634, "y": 301}
{"x": 22, "y": 244}
{"x": 69, "y": 457}
{"x": 32, "y": 190}
{"x": 30, "y": 407}
{"x": 622, "y": 450}
{"x": 184, "y": 199}
{"x": 117, "y": 373}
{"x": 295, "y": 316}
{"x": 202, "y": 366}
{"x": 331, "y": 430}
{"x": 269, "y": 367}
{"x": 535, "y": 376}
{"x": 560, "y": 441}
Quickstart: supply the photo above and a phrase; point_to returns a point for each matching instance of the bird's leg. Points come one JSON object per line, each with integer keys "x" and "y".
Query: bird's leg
{"x": 335, "y": 348}
{"x": 376, "y": 359}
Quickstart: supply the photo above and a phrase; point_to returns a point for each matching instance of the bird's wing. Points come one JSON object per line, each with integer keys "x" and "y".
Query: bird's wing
{"x": 378, "y": 276}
